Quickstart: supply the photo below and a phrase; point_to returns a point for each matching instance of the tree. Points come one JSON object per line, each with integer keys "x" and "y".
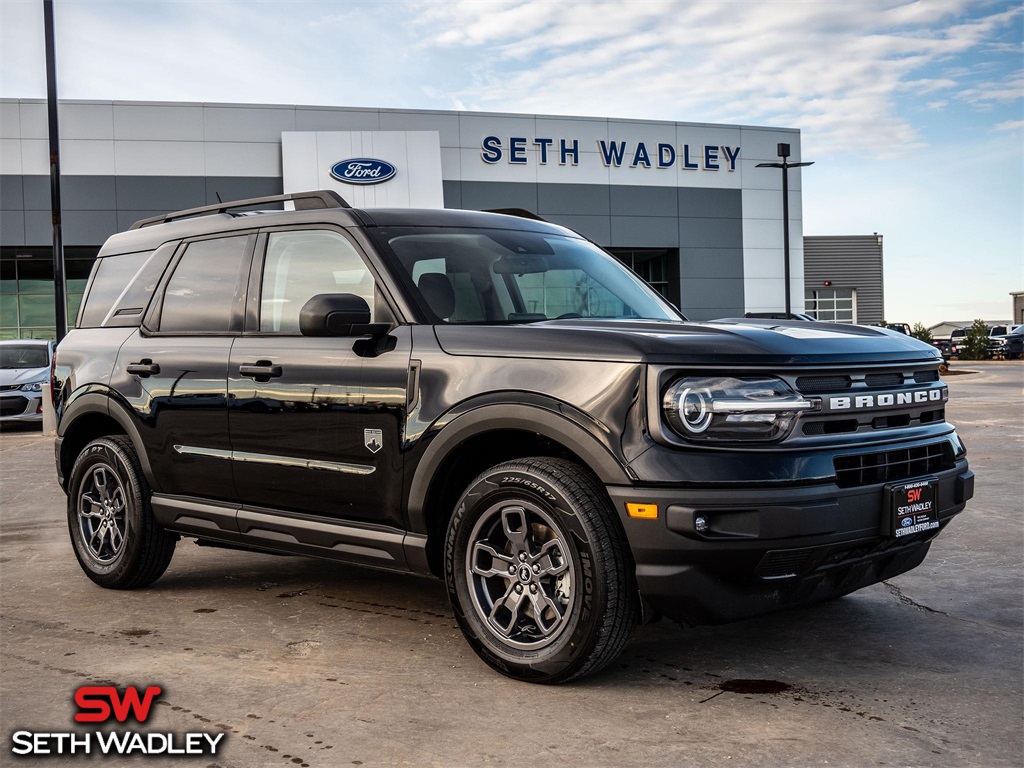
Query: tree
{"x": 976, "y": 341}
{"x": 921, "y": 333}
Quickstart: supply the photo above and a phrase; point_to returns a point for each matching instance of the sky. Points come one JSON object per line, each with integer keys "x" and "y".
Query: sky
{"x": 911, "y": 111}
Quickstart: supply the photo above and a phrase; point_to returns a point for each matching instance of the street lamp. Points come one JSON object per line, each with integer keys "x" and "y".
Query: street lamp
{"x": 59, "y": 289}
{"x": 785, "y": 165}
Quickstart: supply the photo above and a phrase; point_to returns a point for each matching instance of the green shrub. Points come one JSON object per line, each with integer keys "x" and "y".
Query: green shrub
{"x": 921, "y": 333}
{"x": 976, "y": 341}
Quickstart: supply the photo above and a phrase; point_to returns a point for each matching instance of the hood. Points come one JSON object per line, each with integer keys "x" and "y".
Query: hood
{"x": 22, "y": 375}
{"x": 768, "y": 342}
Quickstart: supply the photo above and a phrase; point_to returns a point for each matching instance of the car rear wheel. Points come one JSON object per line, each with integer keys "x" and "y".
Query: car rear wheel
{"x": 538, "y": 572}
{"x": 116, "y": 539}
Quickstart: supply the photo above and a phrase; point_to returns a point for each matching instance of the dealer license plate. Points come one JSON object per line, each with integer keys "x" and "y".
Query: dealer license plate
{"x": 913, "y": 508}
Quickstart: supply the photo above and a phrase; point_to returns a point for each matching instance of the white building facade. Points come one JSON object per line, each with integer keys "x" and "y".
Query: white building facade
{"x": 682, "y": 203}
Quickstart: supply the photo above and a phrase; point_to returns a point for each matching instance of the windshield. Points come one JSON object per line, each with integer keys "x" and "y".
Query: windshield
{"x": 23, "y": 356}
{"x": 509, "y": 276}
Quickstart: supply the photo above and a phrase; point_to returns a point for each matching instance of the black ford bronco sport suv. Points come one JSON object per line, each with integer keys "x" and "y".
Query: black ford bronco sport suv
{"x": 496, "y": 401}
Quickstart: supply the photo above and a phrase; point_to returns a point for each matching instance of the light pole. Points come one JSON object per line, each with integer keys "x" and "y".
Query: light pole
{"x": 785, "y": 165}
{"x": 60, "y": 302}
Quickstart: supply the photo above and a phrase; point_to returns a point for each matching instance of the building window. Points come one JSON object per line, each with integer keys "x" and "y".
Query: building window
{"x": 832, "y": 305}
{"x": 659, "y": 268}
{"x": 26, "y": 289}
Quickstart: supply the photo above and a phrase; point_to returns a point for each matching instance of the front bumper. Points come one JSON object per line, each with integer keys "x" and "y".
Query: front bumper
{"x": 771, "y": 546}
{"x": 21, "y": 407}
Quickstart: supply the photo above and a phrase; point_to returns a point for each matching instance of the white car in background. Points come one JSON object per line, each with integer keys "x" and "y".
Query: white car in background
{"x": 24, "y": 377}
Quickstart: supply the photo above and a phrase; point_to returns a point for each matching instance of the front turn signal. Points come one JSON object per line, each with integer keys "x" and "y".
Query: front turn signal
{"x": 642, "y": 511}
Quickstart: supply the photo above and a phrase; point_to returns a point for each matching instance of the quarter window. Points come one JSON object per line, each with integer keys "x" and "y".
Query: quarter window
{"x": 202, "y": 293}
{"x": 301, "y": 265}
{"x": 113, "y": 273}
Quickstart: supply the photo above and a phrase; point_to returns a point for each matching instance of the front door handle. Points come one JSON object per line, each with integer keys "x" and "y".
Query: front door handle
{"x": 144, "y": 368}
{"x": 261, "y": 370}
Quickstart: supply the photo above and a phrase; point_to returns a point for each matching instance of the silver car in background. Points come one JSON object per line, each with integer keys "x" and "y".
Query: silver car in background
{"x": 24, "y": 377}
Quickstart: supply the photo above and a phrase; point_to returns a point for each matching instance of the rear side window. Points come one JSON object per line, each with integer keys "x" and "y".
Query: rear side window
{"x": 203, "y": 292}
{"x": 111, "y": 276}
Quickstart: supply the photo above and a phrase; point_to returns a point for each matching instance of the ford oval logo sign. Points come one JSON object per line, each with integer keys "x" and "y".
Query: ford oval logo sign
{"x": 363, "y": 170}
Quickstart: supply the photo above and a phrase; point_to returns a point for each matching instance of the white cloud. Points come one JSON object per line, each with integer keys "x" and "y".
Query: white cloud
{"x": 838, "y": 71}
{"x": 1010, "y": 126}
{"x": 986, "y": 94}
{"x": 845, "y": 73}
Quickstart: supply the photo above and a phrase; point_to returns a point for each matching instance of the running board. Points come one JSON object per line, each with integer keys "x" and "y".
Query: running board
{"x": 290, "y": 533}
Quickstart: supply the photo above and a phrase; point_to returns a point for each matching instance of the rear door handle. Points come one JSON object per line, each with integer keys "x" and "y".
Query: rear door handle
{"x": 261, "y": 370}
{"x": 144, "y": 368}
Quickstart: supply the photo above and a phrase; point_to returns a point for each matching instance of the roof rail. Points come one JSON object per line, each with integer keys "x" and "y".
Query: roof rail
{"x": 304, "y": 201}
{"x": 522, "y": 213}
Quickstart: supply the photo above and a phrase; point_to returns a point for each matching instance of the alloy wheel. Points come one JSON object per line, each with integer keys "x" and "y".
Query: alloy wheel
{"x": 102, "y": 513}
{"x": 520, "y": 574}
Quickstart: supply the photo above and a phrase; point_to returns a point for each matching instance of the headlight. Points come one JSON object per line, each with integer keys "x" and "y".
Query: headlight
{"x": 720, "y": 408}
{"x": 32, "y": 386}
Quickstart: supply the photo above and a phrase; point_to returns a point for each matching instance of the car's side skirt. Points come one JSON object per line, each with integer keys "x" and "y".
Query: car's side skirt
{"x": 287, "y": 532}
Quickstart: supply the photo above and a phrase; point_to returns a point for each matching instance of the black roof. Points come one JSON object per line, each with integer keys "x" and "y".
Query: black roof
{"x": 150, "y": 233}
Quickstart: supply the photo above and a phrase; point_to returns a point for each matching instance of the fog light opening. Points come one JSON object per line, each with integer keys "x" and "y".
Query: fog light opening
{"x": 700, "y": 524}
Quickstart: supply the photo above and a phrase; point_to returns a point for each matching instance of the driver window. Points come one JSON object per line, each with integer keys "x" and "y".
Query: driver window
{"x": 300, "y": 265}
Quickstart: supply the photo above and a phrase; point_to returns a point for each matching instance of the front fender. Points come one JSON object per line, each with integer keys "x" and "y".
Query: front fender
{"x": 551, "y": 419}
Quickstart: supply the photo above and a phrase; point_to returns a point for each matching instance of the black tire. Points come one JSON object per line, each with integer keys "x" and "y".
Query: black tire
{"x": 115, "y": 537}
{"x": 529, "y": 607}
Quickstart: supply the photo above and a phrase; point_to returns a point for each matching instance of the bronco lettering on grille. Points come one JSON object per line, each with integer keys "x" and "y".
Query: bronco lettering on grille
{"x": 888, "y": 399}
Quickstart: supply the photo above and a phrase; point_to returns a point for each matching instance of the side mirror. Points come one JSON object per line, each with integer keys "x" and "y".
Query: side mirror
{"x": 338, "y": 314}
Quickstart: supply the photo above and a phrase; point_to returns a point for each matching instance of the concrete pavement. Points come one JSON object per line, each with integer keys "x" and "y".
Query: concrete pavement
{"x": 307, "y": 663}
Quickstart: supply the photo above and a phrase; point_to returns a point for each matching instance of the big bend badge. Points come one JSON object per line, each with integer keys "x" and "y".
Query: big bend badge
{"x": 373, "y": 439}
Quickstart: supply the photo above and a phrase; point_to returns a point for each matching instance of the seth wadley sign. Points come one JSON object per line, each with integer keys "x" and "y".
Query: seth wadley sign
{"x": 705, "y": 157}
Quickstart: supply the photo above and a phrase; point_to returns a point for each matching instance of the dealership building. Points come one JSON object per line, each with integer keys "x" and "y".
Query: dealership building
{"x": 683, "y": 204}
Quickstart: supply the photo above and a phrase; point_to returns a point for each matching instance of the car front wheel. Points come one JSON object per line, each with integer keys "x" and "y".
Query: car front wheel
{"x": 538, "y": 572}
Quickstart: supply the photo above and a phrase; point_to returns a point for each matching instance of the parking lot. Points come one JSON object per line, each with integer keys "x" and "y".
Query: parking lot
{"x": 312, "y": 664}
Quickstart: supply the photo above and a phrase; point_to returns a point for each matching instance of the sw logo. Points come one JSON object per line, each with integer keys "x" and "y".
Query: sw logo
{"x": 914, "y": 495}
{"x": 102, "y": 704}
{"x": 96, "y": 703}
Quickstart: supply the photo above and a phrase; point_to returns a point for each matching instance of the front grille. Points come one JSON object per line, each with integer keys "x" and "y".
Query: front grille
{"x": 884, "y": 379}
{"x": 840, "y": 427}
{"x": 887, "y": 466}
{"x": 8, "y": 387}
{"x": 892, "y": 385}
{"x": 13, "y": 406}
{"x": 822, "y": 383}
{"x": 889, "y": 422}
